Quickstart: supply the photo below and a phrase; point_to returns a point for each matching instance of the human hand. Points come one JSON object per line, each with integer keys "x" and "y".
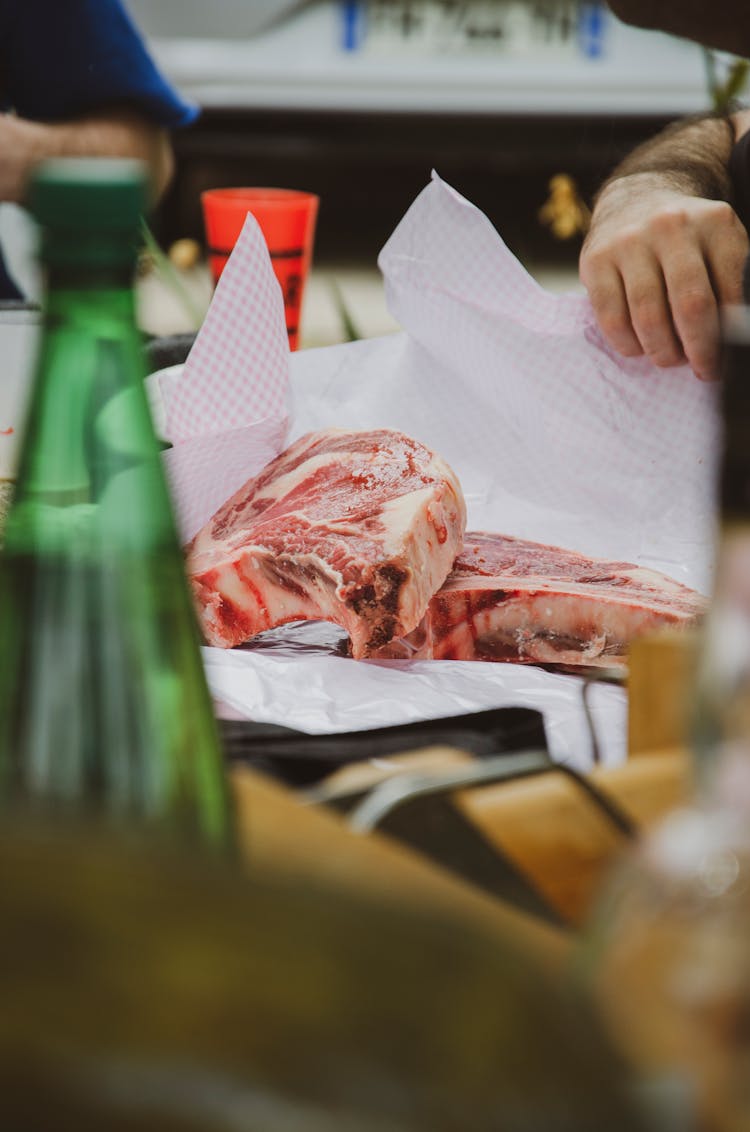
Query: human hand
{"x": 19, "y": 151}
{"x": 106, "y": 133}
{"x": 657, "y": 264}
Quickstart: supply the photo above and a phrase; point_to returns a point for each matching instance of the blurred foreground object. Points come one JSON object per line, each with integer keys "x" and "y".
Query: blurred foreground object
{"x": 103, "y": 699}
{"x": 5, "y": 497}
{"x": 661, "y": 676}
{"x": 671, "y": 941}
{"x": 183, "y": 996}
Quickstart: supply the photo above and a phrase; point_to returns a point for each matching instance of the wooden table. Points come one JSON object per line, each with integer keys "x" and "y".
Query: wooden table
{"x": 546, "y": 825}
{"x": 278, "y": 830}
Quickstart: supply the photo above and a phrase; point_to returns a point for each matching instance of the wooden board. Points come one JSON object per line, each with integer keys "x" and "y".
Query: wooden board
{"x": 276, "y": 829}
{"x": 661, "y": 673}
{"x": 558, "y": 837}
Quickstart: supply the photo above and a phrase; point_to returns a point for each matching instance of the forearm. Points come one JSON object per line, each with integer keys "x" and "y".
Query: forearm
{"x": 688, "y": 159}
{"x": 666, "y": 248}
{"x": 117, "y": 133}
{"x": 689, "y": 156}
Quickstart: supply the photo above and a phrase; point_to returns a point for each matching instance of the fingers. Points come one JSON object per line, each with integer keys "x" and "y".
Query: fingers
{"x": 647, "y": 294}
{"x": 726, "y": 251}
{"x": 656, "y": 286}
{"x": 703, "y": 271}
{"x": 694, "y": 310}
{"x": 607, "y": 293}
{"x": 628, "y": 292}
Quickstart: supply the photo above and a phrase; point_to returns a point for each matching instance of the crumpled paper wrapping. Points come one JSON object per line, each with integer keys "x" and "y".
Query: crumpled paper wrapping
{"x": 226, "y": 411}
{"x": 553, "y": 436}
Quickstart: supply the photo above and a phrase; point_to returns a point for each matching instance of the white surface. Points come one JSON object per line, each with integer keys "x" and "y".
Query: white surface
{"x": 293, "y": 679}
{"x": 552, "y": 437}
{"x": 546, "y": 425}
{"x": 19, "y": 333}
{"x": 300, "y": 64}
{"x": 196, "y": 19}
{"x": 18, "y": 239}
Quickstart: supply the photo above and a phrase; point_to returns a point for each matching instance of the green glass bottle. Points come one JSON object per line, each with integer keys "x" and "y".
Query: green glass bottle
{"x": 103, "y": 699}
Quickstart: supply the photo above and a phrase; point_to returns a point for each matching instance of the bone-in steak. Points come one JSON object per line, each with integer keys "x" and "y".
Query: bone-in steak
{"x": 358, "y": 528}
{"x": 513, "y": 600}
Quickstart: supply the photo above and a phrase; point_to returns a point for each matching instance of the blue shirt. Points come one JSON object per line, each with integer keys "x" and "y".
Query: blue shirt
{"x": 64, "y": 58}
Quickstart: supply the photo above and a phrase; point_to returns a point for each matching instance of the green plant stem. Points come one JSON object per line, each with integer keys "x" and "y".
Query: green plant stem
{"x": 170, "y": 276}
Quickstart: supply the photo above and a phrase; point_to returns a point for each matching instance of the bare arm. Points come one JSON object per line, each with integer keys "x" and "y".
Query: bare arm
{"x": 116, "y": 133}
{"x": 666, "y": 248}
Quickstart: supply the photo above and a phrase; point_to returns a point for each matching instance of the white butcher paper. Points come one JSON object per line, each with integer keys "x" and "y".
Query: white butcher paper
{"x": 553, "y": 437}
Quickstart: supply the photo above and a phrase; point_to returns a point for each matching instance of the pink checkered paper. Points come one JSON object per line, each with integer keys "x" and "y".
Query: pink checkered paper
{"x": 205, "y": 471}
{"x": 238, "y": 369}
{"x": 553, "y": 436}
{"x": 226, "y": 412}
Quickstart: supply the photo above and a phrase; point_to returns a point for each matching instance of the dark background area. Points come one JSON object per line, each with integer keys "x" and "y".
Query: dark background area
{"x": 368, "y": 168}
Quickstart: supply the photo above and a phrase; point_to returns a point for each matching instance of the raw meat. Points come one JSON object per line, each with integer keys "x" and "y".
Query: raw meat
{"x": 358, "y": 528}
{"x": 511, "y": 600}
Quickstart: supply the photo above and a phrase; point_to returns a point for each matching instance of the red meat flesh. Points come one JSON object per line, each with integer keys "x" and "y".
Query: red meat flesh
{"x": 358, "y": 528}
{"x": 507, "y": 599}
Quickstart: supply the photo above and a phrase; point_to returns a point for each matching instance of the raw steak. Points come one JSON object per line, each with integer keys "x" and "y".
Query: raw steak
{"x": 359, "y": 528}
{"x": 508, "y": 599}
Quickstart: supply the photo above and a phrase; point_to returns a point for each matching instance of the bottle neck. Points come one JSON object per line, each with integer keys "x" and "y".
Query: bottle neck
{"x": 67, "y": 278}
{"x": 90, "y": 353}
{"x": 78, "y": 293}
{"x": 94, "y": 306}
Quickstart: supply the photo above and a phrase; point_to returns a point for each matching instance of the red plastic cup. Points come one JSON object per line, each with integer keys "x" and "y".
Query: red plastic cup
{"x": 287, "y": 220}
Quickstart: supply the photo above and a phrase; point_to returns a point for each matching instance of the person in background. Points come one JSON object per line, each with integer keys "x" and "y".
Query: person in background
{"x": 668, "y": 238}
{"x": 76, "y": 80}
{"x": 722, "y": 24}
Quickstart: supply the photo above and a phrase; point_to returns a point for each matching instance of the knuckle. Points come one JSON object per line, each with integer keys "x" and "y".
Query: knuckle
{"x": 608, "y": 248}
{"x": 694, "y": 306}
{"x": 613, "y": 324}
{"x": 675, "y": 221}
{"x": 628, "y": 237}
{"x": 586, "y": 269}
{"x": 604, "y": 299}
{"x": 669, "y": 222}
{"x": 647, "y": 311}
{"x": 594, "y": 261}
{"x": 723, "y": 215}
{"x": 666, "y": 357}
{"x": 630, "y": 347}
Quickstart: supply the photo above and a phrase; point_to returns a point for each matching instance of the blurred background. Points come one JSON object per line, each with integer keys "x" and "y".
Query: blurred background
{"x": 358, "y": 100}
